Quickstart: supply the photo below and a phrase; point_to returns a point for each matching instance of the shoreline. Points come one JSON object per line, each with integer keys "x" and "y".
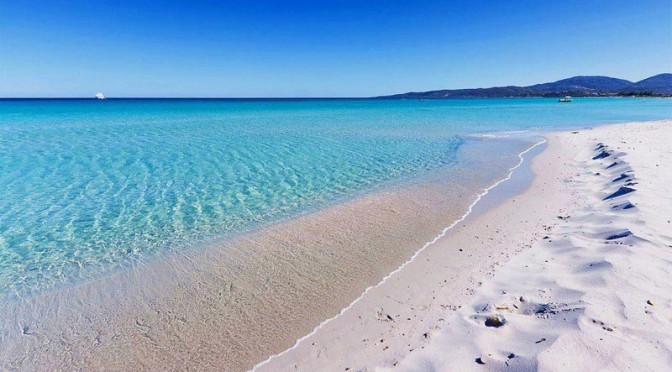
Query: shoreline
{"x": 415, "y": 323}
{"x": 447, "y": 229}
{"x": 226, "y": 297}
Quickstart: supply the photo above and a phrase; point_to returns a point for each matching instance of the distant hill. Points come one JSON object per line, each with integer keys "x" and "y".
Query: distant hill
{"x": 659, "y": 84}
{"x": 584, "y": 85}
{"x": 577, "y": 86}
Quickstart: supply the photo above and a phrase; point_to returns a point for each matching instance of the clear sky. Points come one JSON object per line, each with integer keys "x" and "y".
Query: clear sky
{"x": 321, "y": 48}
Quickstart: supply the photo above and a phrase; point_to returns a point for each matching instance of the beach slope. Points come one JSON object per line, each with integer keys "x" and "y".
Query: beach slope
{"x": 572, "y": 273}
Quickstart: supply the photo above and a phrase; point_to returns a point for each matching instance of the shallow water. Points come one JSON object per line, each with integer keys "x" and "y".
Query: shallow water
{"x": 88, "y": 185}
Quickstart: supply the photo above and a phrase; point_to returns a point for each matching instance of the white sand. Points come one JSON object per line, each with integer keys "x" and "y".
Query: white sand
{"x": 580, "y": 282}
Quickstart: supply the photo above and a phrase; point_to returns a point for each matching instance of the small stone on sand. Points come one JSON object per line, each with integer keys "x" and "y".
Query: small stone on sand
{"x": 494, "y": 321}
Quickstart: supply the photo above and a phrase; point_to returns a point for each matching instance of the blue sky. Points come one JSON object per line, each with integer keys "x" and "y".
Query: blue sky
{"x": 321, "y": 48}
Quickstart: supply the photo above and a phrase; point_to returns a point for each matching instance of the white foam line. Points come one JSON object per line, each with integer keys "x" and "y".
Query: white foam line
{"x": 443, "y": 233}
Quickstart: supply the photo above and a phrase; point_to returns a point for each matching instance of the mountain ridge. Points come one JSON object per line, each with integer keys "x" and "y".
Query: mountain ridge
{"x": 578, "y": 86}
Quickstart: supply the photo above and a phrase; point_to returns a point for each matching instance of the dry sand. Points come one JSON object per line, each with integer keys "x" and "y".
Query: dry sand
{"x": 573, "y": 274}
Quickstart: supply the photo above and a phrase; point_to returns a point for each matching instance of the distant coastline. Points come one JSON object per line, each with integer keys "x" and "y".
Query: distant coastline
{"x": 659, "y": 86}
{"x": 578, "y": 86}
{"x": 300, "y": 99}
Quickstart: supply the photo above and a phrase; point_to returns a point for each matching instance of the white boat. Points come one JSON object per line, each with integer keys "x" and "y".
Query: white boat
{"x": 566, "y": 99}
{"x": 100, "y": 95}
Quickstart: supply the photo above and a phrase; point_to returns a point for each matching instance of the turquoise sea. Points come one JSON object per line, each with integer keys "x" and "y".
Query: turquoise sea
{"x": 87, "y": 186}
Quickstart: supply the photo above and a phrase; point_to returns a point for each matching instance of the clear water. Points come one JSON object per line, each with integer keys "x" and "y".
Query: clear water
{"x": 88, "y": 185}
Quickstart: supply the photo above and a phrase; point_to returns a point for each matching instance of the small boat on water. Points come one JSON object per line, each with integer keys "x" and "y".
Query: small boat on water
{"x": 565, "y": 99}
{"x": 100, "y": 96}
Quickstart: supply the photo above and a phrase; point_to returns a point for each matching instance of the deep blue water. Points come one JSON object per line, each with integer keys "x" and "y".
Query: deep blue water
{"x": 94, "y": 184}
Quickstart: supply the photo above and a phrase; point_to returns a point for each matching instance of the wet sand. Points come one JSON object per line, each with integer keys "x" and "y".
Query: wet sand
{"x": 232, "y": 304}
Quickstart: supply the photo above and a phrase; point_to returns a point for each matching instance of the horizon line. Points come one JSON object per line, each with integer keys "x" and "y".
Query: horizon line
{"x": 333, "y": 97}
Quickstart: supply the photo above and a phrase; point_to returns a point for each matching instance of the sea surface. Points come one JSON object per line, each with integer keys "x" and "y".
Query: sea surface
{"x": 89, "y": 186}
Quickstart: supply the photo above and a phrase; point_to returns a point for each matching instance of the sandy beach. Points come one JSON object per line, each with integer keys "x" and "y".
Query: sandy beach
{"x": 570, "y": 274}
{"x": 542, "y": 256}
